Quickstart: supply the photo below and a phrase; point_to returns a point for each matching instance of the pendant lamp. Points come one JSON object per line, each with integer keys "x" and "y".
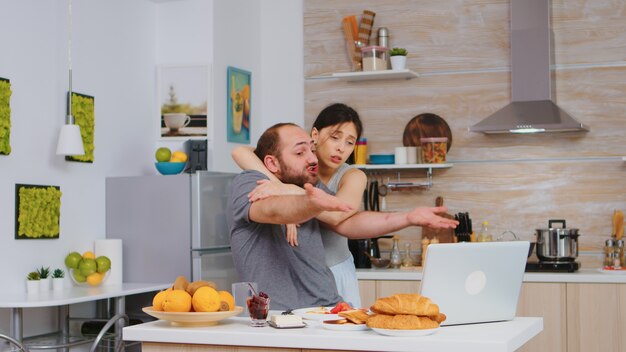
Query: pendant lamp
{"x": 70, "y": 141}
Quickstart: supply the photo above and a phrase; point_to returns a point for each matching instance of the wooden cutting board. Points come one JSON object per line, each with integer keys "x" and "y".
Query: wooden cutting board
{"x": 443, "y": 235}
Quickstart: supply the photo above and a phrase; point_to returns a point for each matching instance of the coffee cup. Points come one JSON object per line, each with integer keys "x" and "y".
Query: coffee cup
{"x": 176, "y": 121}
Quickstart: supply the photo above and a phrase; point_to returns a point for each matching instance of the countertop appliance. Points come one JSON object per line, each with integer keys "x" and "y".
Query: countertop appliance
{"x": 170, "y": 226}
{"x": 556, "y": 249}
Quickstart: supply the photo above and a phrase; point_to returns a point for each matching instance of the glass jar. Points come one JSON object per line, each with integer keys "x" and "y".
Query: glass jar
{"x": 618, "y": 254}
{"x": 360, "y": 152}
{"x": 374, "y": 58}
{"x": 434, "y": 150}
{"x": 608, "y": 253}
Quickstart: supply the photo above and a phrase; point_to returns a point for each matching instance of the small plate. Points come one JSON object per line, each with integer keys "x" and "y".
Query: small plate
{"x": 407, "y": 333}
{"x": 315, "y": 313}
{"x": 192, "y": 318}
{"x": 270, "y": 323}
{"x": 334, "y": 325}
{"x": 613, "y": 271}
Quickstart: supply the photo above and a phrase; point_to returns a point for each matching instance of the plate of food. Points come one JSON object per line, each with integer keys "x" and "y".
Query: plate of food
{"x": 192, "y": 318}
{"x": 343, "y": 325}
{"x": 405, "y": 333}
{"x": 316, "y": 313}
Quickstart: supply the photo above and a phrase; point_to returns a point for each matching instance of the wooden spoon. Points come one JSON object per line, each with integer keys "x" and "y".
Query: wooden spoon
{"x": 618, "y": 224}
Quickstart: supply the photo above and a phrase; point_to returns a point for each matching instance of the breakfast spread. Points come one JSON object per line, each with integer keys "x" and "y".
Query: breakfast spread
{"x": 405, "y": 312}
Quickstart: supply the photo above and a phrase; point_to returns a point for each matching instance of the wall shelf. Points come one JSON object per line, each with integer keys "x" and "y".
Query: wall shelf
{"x": 370, "y": 75}
{"x": 398, "y": 168}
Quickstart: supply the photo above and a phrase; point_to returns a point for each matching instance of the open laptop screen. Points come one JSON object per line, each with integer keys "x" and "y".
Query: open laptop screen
{"x": 475, "y": 282}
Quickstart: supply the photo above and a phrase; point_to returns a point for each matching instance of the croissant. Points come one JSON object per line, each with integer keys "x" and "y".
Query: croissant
{"x": 405, "y": 303}
{"x": 401, "y": 322}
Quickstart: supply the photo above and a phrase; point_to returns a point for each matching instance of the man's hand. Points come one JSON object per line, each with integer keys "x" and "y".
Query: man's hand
{"x": 427, "y": 216}
{"x": 325, "y": 201}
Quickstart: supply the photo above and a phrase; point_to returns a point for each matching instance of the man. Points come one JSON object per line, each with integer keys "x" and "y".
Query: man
{"x": 296, "y": 277}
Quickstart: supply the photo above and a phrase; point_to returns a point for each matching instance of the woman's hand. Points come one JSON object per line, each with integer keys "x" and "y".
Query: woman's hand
{"x": 292, "y": 234}
{"x": 267, "y": 188}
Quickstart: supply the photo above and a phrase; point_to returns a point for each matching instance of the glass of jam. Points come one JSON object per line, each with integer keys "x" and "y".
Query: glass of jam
{"x": 258, "y": 307}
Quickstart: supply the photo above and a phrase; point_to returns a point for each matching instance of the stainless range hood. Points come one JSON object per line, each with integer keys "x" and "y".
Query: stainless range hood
{"x": 532, "y": 78}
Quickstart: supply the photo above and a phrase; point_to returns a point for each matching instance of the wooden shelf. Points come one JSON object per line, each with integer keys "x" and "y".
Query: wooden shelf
{"x": 370, "y": 75}
{"x": 402, "y": 166}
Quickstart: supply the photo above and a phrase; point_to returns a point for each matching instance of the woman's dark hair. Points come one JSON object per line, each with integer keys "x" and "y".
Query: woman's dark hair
{"x": 337, "y": 114}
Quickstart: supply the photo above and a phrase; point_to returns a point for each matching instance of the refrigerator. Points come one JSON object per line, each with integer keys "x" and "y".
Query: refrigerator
{"x": 171, "y": 225}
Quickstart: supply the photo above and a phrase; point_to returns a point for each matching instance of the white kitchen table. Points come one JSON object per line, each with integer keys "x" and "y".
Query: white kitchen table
{"x": 17, "y": 300}
{"x": 489, "y": 337}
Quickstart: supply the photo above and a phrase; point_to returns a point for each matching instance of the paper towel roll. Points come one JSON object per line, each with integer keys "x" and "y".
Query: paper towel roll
{"x": 111, "y": 248}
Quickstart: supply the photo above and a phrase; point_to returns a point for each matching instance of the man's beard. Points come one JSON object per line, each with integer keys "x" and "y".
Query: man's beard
{"x": 291, "y": 176}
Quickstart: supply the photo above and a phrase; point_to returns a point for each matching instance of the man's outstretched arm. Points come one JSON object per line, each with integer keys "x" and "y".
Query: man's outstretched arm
{"x": 295, "y": 209}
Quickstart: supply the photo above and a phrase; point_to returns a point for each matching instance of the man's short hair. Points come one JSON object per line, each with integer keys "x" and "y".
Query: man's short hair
{"x": 269, "y": 143}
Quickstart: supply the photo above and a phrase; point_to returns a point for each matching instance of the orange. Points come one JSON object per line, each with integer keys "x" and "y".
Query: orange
{"x": 89, "y": 255}
{"x": 95, "y": 279}
{"x": 206, "y": 299}
{"x": 177, "y": 301}
{"x": 178, "y": 157}
{"x": 157, "y": 301}
{"x": 228, "y": 298}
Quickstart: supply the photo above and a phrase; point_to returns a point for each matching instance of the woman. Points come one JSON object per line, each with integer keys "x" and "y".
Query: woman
{"x": 334, "y": 132}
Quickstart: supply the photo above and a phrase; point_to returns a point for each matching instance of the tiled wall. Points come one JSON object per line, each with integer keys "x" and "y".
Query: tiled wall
{"x": 460, "y": 48}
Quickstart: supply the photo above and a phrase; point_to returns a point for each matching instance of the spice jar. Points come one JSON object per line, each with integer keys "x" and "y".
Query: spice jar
{"x": 608, "y": 253}
{"x": 618, "y": 254}
{"x": 434, "y": 150}
{"x": 374, "y": 58}
{"x": 360, "y": 152}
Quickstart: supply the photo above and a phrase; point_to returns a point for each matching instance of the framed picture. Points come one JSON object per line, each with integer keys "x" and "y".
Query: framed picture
{"x": 184, "y": 96}
{"x": 238, "y": 105}
{"x": 83, "y": 110}
{"x": 5, "y": 116}
{"x": 37, "y": 211}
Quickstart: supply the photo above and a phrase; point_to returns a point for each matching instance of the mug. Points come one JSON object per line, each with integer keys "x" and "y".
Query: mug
{"x": 176, "y": 120}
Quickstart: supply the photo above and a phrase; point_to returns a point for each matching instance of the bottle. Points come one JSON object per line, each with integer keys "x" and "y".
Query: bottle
{"x": 484, "y": 235}
{"x": 608, "y": 253}
{"x": 360, "y": 152}
{"x": 618, "y": 250}
{"x": 396, "y": 261}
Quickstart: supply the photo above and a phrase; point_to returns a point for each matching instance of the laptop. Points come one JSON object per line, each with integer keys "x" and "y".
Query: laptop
{"x": 475, "y": 282}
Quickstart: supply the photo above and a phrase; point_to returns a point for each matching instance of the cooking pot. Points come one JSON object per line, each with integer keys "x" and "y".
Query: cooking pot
{"x": 557, "y": 244}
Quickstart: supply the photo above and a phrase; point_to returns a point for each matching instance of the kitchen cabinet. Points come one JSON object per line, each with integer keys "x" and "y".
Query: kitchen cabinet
{"x": 547, "y": 300}
{"x": 596, "y": 317}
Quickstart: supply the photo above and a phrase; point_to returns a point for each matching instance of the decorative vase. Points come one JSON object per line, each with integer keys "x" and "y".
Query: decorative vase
{"x": 398, "y": 62}
{"x": 44, "y": 284}
{"x": 58, "y": 283}
{"x": 32, "y": 286}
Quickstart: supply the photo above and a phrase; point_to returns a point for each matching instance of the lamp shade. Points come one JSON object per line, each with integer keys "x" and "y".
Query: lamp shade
{"x": 70, "y": 141}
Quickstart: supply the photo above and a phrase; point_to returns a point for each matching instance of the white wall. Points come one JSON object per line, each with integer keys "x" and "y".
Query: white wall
{"x": 113, "y": 56}
{"x": 117, "y": 45}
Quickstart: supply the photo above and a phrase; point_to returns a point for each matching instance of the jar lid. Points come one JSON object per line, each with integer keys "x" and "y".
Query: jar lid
{"x": 373, "y": 48}
{"x": 434, "y": 139}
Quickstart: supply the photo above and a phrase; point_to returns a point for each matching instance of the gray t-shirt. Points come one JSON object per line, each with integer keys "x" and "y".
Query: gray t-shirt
{"x": 293, "y": 277}
{"x": 336, "y": 246}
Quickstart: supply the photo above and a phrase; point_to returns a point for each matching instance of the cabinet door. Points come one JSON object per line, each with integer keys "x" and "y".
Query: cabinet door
{"x": 596, "y": 317}
{"x": 367, "y": 288}
{"x": 547, "y": 300}
{"x": 386, "y": 288}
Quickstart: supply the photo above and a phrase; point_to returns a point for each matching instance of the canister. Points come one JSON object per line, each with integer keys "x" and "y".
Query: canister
{"x": 374, "y": 58}
{"x": 434, "y": 150}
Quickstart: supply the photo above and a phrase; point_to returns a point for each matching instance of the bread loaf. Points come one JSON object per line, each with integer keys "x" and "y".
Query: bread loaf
{"x": 405, "y": 303}
{"x": 401, "y": 322}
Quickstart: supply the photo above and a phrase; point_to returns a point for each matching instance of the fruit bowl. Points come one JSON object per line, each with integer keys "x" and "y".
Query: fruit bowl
{"x": 192, "y": 318}
{"x": 170, "y": 168}
{"x": 87, "y": 283}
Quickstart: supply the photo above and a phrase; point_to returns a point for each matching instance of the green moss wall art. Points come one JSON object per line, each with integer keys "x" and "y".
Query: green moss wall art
{"x": 83, "y": 109}
{"x": 5, "y": 116}
{"x": 37, "y": 211}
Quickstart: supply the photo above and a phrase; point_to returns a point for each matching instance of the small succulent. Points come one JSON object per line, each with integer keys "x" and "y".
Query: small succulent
{"x": 43, "y": 272}
{"x": 32, "y": 276}
{"x": 398, "y": 52}
{"x": 58, "y": 274}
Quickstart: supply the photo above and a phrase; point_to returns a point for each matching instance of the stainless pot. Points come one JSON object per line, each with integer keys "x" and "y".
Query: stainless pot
{"x": 557, "y": 244}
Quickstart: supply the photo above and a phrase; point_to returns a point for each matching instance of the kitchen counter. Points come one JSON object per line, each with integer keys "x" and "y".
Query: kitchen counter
{"x": 581, "y": 276}
{"x": 160, "y": 335}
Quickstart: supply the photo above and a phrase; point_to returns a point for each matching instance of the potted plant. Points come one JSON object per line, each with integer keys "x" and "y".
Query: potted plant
{"x": 44, "y": 280}
{"x": 32, "y": 282}
{"x": 398, "y": 58}
{"x": 57, "y": 279}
